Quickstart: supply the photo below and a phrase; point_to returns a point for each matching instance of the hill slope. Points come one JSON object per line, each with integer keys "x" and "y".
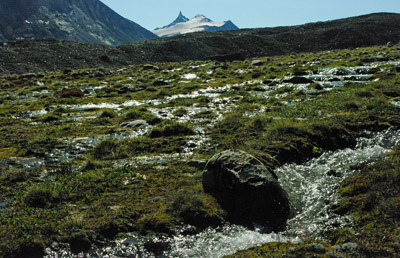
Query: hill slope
{"x": 45, "y": 55}
{"x": 87, "y": 21}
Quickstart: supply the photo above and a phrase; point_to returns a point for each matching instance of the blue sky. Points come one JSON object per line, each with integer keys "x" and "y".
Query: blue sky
{"x": 248, "y": 13}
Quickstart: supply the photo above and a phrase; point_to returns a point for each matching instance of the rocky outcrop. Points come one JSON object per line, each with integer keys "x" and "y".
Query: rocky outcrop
{"x": 246, "y": 189}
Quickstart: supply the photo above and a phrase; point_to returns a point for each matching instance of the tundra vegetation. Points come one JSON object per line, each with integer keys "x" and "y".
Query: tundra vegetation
{"x": 74, "y": 170}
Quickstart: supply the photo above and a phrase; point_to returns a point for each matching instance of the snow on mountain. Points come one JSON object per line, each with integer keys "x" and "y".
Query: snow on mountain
{"x": 183, "y": 25}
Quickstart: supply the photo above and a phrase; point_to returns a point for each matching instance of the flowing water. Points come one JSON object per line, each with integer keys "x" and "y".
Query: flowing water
{"x": 311, "y": 187}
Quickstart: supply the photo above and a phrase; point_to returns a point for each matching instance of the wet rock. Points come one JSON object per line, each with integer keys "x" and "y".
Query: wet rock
{"x": 137, "y": 124}
{"x": 341, "y": 71}
{"x": 129, "y": 89}
{"x": 257, "y": 63}
{"x": 79, "y": 243}
{"x": 32, "y": 249}
{"x": 372, "y": 70}
{"x": 110, "y": 230}
{"x": 131, "y": 241}
{"x": 246, "y": 189}
{"x": 298, "y": 80}
{"x": 334, "y": 173}
{"x": 157, "y": 246}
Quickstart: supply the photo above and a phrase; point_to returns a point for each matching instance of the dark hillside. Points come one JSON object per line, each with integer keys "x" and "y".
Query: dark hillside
{"x": 88, "y": 21}
{"x": 44, "y": 55}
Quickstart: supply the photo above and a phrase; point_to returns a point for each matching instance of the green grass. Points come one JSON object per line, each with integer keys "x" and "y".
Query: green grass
{"x": 91, "y": 198}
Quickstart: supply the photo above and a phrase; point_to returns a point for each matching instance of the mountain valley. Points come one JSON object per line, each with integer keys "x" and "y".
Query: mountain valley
{"x": 117, "y": 143}
{"x": 113, "y": 157}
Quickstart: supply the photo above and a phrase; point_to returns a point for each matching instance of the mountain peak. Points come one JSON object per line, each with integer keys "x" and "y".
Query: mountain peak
{"x": 183, "y": 25}
{"x": 180, "y": 18}
{"x": 202, "y": 18}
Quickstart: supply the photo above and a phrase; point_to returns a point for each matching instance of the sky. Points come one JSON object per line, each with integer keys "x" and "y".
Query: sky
{"x": 248, "y": 13}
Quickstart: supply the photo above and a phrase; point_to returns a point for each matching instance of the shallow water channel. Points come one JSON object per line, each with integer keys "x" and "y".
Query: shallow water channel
{"x": 311, "y": 187}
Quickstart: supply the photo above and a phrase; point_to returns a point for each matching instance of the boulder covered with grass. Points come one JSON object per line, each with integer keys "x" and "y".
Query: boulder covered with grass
{"x": 246, "y": 189}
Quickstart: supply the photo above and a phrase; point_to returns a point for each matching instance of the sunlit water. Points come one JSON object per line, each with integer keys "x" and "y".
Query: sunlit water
{"x": 311, "y": 187}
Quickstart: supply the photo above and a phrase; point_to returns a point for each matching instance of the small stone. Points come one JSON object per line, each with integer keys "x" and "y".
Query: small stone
{"x": 130, "y": 241}
{"x": 257, "y": 63}
{"x": 135, "y": 124}
{"x": 333, "y": 173}
{"x": 318, "y": 248}
{"x": 351, "y": 247}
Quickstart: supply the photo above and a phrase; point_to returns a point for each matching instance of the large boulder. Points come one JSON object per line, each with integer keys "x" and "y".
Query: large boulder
{"x": 246, "y": 189}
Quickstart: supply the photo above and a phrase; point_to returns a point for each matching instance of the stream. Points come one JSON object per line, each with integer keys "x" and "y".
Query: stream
{"x": 310, "y": 186}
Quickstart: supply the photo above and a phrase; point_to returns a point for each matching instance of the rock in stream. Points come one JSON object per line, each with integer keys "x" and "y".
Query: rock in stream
{"x": 247, "y": 189}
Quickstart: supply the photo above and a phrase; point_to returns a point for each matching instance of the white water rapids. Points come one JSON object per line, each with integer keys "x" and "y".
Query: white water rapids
{"x": 311, "y": 187}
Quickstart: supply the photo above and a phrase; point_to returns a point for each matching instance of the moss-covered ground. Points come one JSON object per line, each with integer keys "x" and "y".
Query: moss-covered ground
{"x": 104, "y": 190}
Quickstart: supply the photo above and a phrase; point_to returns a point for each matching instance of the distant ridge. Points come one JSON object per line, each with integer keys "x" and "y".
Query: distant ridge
{"x": 87, "y": 21}
{"x": 50, "y": 55}
{"x": 182, "y": 25}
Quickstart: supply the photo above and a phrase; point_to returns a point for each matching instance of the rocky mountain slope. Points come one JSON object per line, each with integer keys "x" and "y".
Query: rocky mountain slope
{"x": 87, "y": 21}
{"x": 182, "y": 25}
{"x": 50, "y": 55}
